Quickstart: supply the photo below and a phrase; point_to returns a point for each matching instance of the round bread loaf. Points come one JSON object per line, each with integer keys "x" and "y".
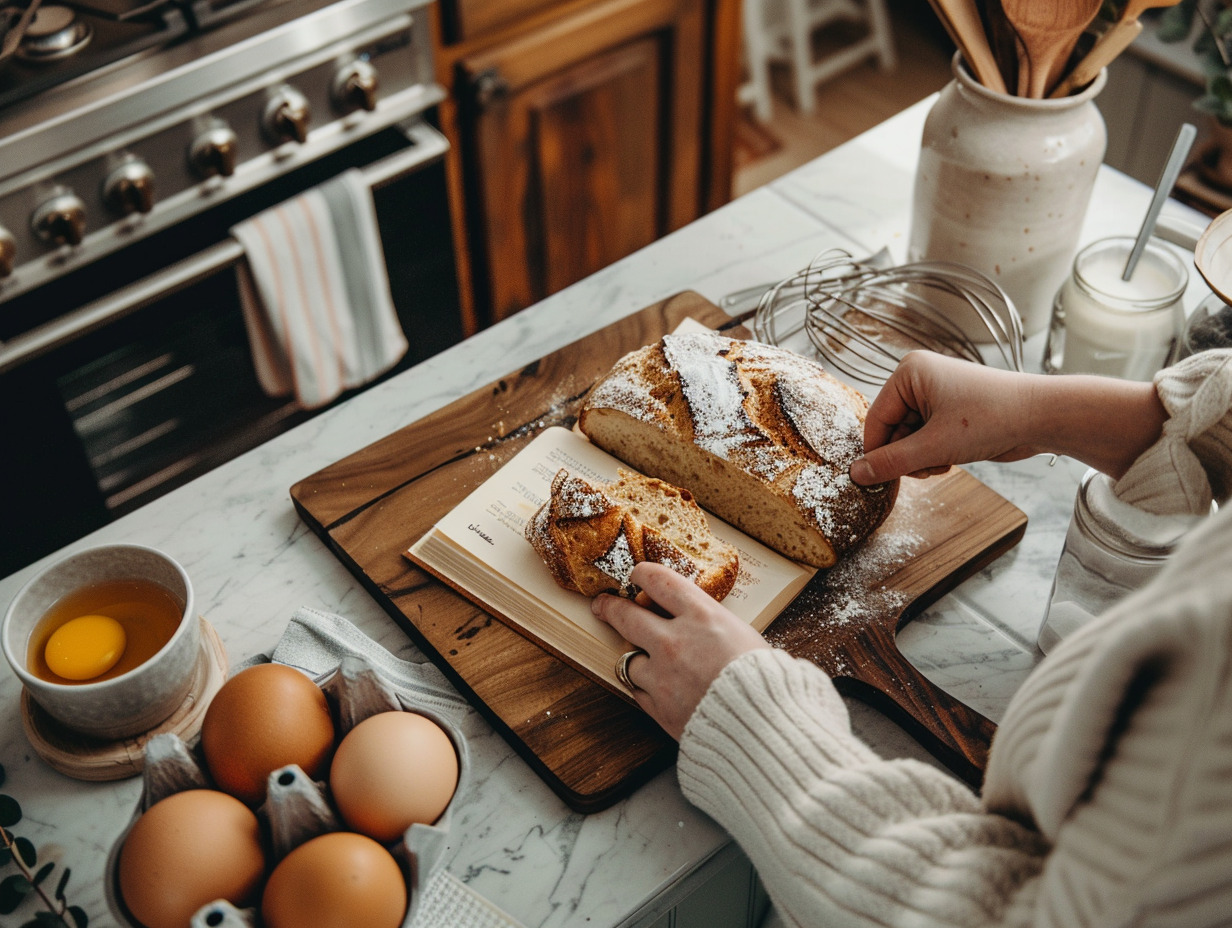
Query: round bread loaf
{"x": 591, "y": 535}
{"x": 762, "y": 437}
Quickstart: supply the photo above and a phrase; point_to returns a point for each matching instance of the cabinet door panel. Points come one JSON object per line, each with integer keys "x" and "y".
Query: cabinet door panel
{"x": 585, "y": 144}
{"x": 595, "y": 135}
{"x": 469, "y": 18}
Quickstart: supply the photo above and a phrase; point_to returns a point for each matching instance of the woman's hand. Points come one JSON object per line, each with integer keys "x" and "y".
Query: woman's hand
{"x": 685, "y": 651}
{"x": 935, "y": 411}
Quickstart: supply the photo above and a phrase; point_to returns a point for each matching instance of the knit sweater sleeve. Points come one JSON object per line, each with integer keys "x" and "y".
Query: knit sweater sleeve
{"x": 838, "y": 835}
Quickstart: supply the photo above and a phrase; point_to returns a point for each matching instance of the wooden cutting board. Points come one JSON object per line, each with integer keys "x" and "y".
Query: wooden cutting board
{"x": 591, "y": 747}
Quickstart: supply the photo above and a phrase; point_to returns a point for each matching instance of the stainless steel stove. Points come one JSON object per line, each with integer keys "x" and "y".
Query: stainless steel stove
{"x": 133, "y": 135}
{"x": 221, "y": 98}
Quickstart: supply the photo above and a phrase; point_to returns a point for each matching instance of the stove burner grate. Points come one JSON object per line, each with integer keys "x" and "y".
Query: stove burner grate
{"x": 54, "y": 33}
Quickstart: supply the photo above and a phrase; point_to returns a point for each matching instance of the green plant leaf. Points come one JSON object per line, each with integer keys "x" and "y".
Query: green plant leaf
{"x": 59, "y": 894}
{"x": 2, "y": 774}
{"x": 45, "y": 919}
{"x": 1204, "y": 45}
{"x": 43, "y": 872}
{"x": 13, "y": 889}
{"x": 78, "y": 915}
{"x": 10, "y": 811}
{"x": 1222, "y": 24}
{"x": 25, "y": 850}
{"x": 1175, "y": 23}
{"x": 1221, "y": 109}
{"x": 5, "y": 856}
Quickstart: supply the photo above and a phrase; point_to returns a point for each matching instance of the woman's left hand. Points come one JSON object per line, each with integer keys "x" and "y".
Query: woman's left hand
{"x": 684, "y": 652}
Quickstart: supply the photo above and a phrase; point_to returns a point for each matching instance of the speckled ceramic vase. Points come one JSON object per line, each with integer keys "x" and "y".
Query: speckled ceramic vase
{"x": 133, "y": 702}
{"x": 1003, "y": 184}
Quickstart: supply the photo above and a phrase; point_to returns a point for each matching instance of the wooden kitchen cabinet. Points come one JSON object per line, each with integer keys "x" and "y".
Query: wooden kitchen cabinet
{"x": 581, "y": 132}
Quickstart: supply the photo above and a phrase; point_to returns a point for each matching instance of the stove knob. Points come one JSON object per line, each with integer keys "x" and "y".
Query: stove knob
{"x": 287, "y": 115}
{"x": 214, "y": 151}
{"x": 61, "y": 220}
{"x": 355, "y": 87}
{"x": 8, "y": 252}
{"x": 130, "y": 188}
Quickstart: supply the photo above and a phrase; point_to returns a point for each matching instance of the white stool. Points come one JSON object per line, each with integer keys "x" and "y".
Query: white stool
{"x": 782, "y": 30}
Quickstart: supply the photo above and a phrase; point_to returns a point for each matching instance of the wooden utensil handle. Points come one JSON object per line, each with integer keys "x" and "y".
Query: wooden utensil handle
{"x": 962, "y": 22}
{"x": 960, "y": 735}
{"x": 1109, "y": 45}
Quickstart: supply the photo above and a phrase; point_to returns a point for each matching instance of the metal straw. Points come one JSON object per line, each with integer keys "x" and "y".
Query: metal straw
{"x": 1172, "y": 170}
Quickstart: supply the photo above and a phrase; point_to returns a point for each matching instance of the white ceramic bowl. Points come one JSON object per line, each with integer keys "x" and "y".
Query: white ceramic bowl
{"x": 133, "y": 702}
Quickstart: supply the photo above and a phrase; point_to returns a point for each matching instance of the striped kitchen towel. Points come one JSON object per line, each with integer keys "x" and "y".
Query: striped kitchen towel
{"x": 317, "y": 306}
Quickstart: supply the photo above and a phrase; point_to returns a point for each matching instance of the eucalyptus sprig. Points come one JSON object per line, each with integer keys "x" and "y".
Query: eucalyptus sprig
{"x": 31, "y": 877}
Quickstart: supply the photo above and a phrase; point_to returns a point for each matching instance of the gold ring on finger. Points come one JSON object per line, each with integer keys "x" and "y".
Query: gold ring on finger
{"x": 622, "y": 668}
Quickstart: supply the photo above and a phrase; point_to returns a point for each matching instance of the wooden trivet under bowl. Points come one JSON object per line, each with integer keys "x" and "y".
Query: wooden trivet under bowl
{"x": 95, "y": 759}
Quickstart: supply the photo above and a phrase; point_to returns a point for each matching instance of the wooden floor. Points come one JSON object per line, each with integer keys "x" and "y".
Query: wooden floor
{"x": 846, "y": 105}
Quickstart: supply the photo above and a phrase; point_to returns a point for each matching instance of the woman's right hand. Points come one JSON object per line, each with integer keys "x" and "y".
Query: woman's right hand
{"x": 936, "y": 411}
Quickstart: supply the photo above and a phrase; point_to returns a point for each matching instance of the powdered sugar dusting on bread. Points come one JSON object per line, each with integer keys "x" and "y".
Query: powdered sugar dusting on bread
{"x": 577, "y": 499}
{"x": 821, "y": 410}
{"x": 817, "y": 491}
{"x": 677, "y": 560}
{"x": 624, "y": 389}
{"x": 537, "y": 528}
{"x": 713, "y": 392}
{"x": 617, "y": 562}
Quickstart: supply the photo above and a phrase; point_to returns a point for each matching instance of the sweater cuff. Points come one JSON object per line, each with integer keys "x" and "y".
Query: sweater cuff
{"x": 767, "y": 715}
{"x": 1191, "y": 463}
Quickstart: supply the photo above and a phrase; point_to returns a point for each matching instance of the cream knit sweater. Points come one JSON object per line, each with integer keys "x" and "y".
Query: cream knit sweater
{"x": 1108, "y": 795}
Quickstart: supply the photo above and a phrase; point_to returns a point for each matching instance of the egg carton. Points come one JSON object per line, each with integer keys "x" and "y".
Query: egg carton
{"x": 297, "y": 808}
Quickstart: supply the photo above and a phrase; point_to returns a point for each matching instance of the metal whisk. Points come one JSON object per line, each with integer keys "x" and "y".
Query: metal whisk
{"x": 862, "y": 317}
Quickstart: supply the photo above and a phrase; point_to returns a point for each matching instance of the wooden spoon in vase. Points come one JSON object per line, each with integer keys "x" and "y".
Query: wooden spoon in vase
{"x": 961, "y": 19}
{"x": 1049, "y": 31}
{"x": 1108, "y": 46}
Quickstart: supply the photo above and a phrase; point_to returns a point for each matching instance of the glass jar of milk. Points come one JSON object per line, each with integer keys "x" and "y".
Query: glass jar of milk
{"x": 1102, "y": 324}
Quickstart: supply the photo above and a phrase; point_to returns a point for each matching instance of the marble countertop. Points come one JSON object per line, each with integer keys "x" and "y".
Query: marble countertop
{"x": 253, "y": 563}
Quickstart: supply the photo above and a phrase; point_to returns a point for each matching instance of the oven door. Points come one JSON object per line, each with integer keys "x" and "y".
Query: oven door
{"x": 147, "y": 381}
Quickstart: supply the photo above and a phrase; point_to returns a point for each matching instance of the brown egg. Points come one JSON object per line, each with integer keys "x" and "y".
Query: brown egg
{"x": 392, "y": 770}
{"x": 337, "y": 880}
{"x": 188, "y": 850}
{"x": 263, "y": 718}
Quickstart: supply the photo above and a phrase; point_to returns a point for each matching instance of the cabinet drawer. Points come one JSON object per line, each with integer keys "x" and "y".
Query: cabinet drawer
{"x": 465, "y": 19}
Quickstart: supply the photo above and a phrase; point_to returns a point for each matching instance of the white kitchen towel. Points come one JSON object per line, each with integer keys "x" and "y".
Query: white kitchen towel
{"x": 318, "y": 309}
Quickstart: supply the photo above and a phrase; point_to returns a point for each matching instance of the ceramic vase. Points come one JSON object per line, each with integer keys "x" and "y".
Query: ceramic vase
{"x": 1003, "y": 184}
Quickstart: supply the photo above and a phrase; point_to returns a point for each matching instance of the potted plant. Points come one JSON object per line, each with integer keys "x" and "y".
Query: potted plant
{"x": 1210, "y": 24}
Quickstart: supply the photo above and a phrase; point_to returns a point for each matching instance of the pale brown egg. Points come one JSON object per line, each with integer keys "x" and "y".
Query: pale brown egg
{"x": 263, "y": 718}
{"x": 392, "y": 770}
{"x": 188, "y": 850}
{"x": 337, "y": 880}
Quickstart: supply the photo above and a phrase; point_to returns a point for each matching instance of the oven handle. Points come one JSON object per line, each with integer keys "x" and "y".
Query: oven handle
{"x": 428, "y": 146}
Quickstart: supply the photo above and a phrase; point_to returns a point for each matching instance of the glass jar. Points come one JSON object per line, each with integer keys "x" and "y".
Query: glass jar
{"x": 1209, "y": 326}
{"x": 1111, "y": 549}
{"x": 1104, "y": 325}
{"x": 1002, "y": 186}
